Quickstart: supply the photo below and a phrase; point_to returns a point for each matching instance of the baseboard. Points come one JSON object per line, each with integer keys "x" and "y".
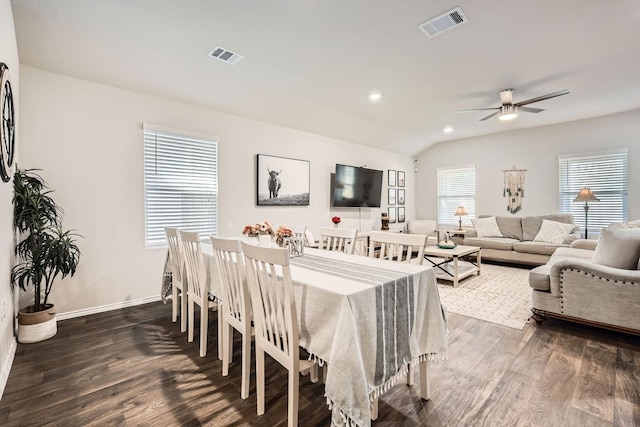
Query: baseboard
{"x": 6, "y": 366}
{"x": 108, "y": 307}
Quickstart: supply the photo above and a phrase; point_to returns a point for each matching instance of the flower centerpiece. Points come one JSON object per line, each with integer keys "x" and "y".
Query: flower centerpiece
{"x": 281, "y": 233}
{"x": 336, "y": 220}
{"x": 257, "y": 229}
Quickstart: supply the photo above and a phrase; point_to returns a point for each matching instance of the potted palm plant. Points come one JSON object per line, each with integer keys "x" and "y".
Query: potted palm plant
{"x": 44, "y": 249}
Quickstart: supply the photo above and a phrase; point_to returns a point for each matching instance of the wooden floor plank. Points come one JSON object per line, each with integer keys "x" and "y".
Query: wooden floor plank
{"x": 595, "y": 390}
{"x": 133, "y": 367}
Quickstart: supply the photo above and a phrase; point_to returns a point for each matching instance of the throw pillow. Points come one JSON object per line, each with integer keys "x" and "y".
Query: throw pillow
{"x": 487, "y": 227}
{"x": 553, "y": 231}
{"x": 618, "y": 248}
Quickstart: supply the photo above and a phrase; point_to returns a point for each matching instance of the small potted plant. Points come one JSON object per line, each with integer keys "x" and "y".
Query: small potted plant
{"x": 45, "y": 251}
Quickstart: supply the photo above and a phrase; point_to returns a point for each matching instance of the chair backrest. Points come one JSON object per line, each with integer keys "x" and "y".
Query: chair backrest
{"x": 422, "y": 226}
{"x": 176, "y": 261}
{"x": 194, "y": 264}
{"x": 397, "y": 246}
{"x": 338, "y": 239}
{"x": 231, "y": 274}
{"x": 273, "y": 302}
{"x": 299, "y": 231}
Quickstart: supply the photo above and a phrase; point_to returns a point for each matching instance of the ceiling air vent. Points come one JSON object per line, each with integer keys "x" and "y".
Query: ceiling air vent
{"x": 225, "y": 55}
{"x": 444, "y": 22}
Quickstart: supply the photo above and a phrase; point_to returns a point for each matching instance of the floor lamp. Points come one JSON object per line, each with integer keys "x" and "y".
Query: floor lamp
{"x": 586, "y": 195}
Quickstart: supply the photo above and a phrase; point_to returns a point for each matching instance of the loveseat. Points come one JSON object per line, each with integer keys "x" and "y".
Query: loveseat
{"x": 593, "y": 282}
{"x": 519, "y": 239}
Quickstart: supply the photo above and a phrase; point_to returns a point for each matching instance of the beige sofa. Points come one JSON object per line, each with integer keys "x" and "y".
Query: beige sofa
{"x": 592, "y": 282}
{"x": 517, "y": 245}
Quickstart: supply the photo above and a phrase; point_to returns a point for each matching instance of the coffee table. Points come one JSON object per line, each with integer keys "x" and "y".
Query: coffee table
{"x": 460, "y": 269}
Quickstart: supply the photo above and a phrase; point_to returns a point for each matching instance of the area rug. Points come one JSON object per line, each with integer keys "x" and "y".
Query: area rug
{"x": 499, "y": 295}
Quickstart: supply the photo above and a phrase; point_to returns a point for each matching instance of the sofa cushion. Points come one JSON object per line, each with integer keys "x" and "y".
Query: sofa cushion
{"x": 531, "y": 224}
{"x": 619, "y": 248}
{"x": 553, "y": 231}
{"x": 510, "y": 227}
{"x": 499, "y": 243}
{"x": 565, "y": 253}
{"x": 542, "y": 248}
{"x": 539, "y": 278}
{"x": 486, "y": 227}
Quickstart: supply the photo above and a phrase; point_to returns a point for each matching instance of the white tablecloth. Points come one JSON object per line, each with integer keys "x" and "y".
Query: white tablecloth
{"x": 367, "y": 318}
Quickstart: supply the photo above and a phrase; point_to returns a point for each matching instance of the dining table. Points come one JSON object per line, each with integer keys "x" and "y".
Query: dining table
{"x": 367, "y": 318}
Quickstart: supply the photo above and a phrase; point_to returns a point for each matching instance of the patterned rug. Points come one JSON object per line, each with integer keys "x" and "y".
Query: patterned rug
{"x": 499, "y": 295}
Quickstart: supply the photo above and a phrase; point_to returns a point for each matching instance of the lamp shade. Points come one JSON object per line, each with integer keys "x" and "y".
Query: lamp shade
{"x": 460, "y": 211}
{"x": 585, "y": 195}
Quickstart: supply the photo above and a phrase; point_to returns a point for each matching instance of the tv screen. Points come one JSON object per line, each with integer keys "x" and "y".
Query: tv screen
{"x": 355, "y": 187}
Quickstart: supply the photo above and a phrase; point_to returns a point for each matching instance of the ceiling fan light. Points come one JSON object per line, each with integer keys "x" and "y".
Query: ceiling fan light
{"x": 507, "y": 113}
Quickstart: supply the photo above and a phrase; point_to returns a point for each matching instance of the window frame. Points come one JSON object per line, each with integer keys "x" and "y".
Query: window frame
{"x": 606, "y": 174}
{"x": 181, "y": 185}
{"x": 458, "y": 194}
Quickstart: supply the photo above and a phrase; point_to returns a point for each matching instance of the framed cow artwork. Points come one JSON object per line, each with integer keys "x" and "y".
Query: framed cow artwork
{"x": 281, "y": 181}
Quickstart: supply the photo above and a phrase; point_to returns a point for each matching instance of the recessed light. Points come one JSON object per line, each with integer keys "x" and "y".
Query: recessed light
{"x": 447, "y": 129}
{"x": 375, "y": 96}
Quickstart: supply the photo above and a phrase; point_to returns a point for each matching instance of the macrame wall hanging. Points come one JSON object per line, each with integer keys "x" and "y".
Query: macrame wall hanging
{"x": 514, "y": 188}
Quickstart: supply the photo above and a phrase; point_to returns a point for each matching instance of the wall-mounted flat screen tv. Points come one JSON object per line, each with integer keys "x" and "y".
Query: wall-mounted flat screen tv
{"x": 355, "y": 187}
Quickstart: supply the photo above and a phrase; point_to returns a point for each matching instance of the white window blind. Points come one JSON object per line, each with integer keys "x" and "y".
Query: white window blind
{"x": 456, "y": 187}
{"x": 606, "y": 175}
{"x": 180, "y": 184}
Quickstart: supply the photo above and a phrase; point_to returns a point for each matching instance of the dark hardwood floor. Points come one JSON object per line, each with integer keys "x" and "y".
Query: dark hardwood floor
{"x": 133, "y": 367}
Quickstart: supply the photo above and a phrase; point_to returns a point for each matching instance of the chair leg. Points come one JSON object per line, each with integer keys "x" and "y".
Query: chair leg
{"x": 219, "y": 309}
{"x": 313, "y": 373}
{"x": 374, "y": 410}
{"x": 259, "y": 379}
{"x": 183, "y": 311}
{"x": 191, "y": 318}
{"x": 294, "y": 390}
{"x": 246, "y": 364}
{"x": 204, "y": 329}
{"x": 425, "y": 392}
{"x": 227, "y": 347}
{"x": 174, "y": 304}
{"x": 410, "y": 374}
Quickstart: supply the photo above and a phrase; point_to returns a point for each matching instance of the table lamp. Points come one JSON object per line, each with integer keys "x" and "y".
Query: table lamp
{"x": 586, "y": 195}
{"x": 459, "y": 213}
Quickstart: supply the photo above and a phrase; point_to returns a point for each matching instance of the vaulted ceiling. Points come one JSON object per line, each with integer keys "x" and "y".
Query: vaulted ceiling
{"x": 311, "y": 64}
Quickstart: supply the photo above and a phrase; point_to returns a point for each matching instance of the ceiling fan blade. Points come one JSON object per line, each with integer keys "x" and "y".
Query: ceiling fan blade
{"x": 489, "y": 116}
{"x": 542, "y": 98}
{"x": 477, "y": 109}
{"x": 531, "y": 110}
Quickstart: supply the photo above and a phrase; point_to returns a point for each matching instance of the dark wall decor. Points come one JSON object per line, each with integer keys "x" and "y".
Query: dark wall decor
{"x": 282, "y": 181}
{"x": 7, "y": 133}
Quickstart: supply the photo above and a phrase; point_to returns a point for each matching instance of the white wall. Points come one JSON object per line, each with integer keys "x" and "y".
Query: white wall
{"x": 88, "y": 140}
{"x": 8, "y": 55}
{"x": 535, "y": 150}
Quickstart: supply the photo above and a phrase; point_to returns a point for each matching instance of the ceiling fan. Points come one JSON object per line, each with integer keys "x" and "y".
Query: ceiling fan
{"x": 509, "y": 111}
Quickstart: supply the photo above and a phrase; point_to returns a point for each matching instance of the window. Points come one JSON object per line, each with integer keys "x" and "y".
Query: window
{"x": 606, "y": 175}
{"x": 456, "y": 187}
{"x": 180, "y": 184}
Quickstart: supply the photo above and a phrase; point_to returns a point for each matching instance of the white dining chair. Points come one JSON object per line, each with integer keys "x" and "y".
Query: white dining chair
{"x": 398, "y": 247}
{"x": 198, "y": 290}
{"x": 176, "y": 264}
{"x": 274, "y": 313}
{"x": 299, "y": 231}
{"x": 236, "y": 307}
{"x": 338, "y": 239}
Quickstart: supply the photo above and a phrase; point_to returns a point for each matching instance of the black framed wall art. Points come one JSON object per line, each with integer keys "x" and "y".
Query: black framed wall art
{"x": 282, "y": 181}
